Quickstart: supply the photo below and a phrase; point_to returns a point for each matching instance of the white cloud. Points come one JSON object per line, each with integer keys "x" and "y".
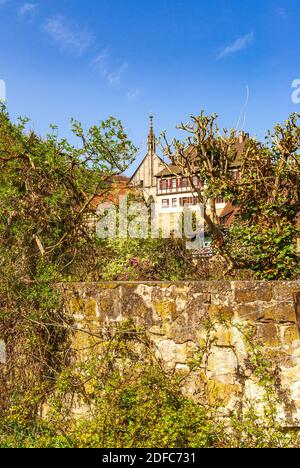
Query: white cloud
{"x": 27, "y": 9}
{"x": 240, "y": 44}
{"x": 69, "y": 37}
{"x": 3, "y": 2}
{"x": 133, "y": 94}
{"x": 112, "y": 76}
{"x": 101, "y": 58}
{"x": 100, "y": 62}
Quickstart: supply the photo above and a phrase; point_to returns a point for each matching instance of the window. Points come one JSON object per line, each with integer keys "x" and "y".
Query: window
{"x": 174, "y": 184}
{"x": 184, "y": 182}
{"x": 165, "y": 204}
{"x": 186, "y": 201}
{"x": 163, "y": 184}
{"x": 141, "y": 183}
{"x": 174, "y": 202}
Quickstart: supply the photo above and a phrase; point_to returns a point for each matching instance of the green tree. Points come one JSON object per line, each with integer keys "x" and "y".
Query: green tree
{"x": 46, "y": 188}
{"x": 263, "y": 238}
{"x": 268, "y": 196}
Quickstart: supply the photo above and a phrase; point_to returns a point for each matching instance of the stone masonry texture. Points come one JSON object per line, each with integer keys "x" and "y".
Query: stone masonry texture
{"x": 219, "y": 321}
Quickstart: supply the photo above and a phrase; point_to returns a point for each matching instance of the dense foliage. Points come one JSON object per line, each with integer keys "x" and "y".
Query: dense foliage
{"x": 268, "y": 196}
{"x": 266, "y": 193}
{"x": 47, "y": 186}
{"x": 126, "y": 400}
{"x": 46, "y": 189}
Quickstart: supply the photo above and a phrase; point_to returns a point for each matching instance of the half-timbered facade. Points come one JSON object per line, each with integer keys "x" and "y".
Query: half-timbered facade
{"x": 166, "y": 186}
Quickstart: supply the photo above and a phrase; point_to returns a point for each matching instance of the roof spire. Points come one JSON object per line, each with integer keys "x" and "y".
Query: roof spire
{"x": 151, "y": 137}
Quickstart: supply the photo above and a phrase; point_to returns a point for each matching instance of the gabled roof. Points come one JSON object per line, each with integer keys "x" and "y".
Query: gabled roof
{"x": 169, "y": 170}
{"x": 239, "y": 148}
{"x": 144, "y": 159}
{"x": 228, "y": 215}
{"x": 191, "y": 151}
{"x": 229, "y": 208}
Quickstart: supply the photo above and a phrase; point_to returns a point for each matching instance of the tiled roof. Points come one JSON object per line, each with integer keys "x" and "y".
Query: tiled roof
{"x": 192, "y": 152}
{"x": 169, "y": 171}
{"x": 229, "y": 208}
{"x": 239, "y": 148}
{"x": 118, "y": 187}
{"x": 121, "y": 179}
{"x": 227, "y": 216}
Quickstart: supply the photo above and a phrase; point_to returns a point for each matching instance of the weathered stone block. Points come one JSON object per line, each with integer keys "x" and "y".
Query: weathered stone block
{"x": 220, "y": 312}
{"x": 252, "y": 291}
{"x": 284, "y": 290}
{"x": 91, "y": 308}
{"x": 249, "y": 312}
{"x": 133, "y": 307}
{"x": 187, "y": 327}
{"x": 282, "y": 312}
{"x": 222, "y": 365}
{"x": 267, "y": 335}
{"x": 173, "y": 354}
{"x": 106, "y": 286}
{"x": 76, "y": 306}
{"x": 83, "y": 307}
{"x": 219, "y": 393}
{"x": 291, "y": 335}
{"x": 166, "y": 310}
{"x": 223, "y": 336}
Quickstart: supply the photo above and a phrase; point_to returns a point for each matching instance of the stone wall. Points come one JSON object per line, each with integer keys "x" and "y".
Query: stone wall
{"x": 229, "y": 327}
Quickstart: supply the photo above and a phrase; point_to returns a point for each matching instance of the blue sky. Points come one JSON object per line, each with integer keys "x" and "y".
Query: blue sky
{"x": 90, "y": 59}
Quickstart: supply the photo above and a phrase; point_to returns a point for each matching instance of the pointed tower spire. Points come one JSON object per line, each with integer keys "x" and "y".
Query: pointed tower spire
{"x": 151, "y": 138}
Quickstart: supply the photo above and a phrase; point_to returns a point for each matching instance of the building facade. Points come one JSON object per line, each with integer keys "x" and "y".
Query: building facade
{"x": 166, "y": 186}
